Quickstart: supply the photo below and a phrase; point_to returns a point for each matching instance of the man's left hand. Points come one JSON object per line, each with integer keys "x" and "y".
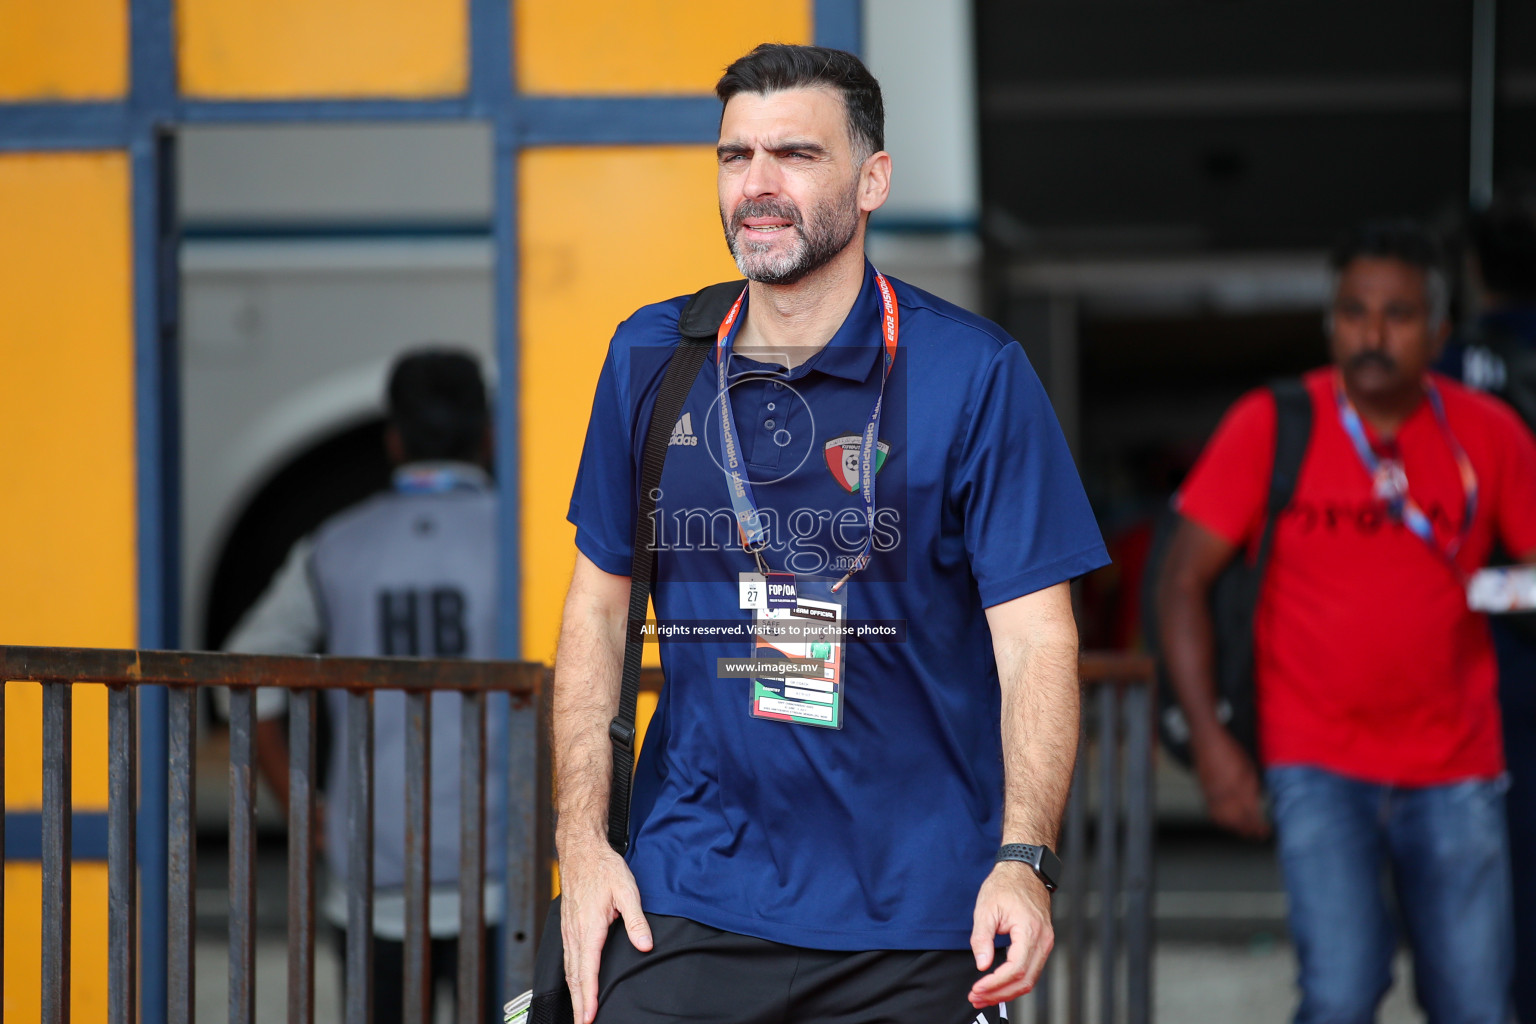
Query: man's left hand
{"x": 1012, "y": 901}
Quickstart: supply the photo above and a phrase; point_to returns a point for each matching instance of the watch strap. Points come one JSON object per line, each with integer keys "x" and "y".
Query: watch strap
{"x": 1046, "y": 865}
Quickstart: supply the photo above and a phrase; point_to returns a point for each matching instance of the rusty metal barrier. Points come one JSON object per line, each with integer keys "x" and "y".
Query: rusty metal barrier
{"x": 1115, "y": 752}
{"x": 1117, "y": 737}
{"x": 527, "y": 686}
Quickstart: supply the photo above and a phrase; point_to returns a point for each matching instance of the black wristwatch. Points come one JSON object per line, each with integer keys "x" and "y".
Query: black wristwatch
{"x": 1046, "y": 864}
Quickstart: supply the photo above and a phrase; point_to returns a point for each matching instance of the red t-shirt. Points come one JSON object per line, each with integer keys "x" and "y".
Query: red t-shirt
{"x": 1368, "y": 661}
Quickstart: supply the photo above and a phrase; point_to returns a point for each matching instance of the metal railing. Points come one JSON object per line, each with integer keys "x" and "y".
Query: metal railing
{"x": 123, "y": 672}
{"x": 1113, "y": 786}
{"x": 1115, "y": 752}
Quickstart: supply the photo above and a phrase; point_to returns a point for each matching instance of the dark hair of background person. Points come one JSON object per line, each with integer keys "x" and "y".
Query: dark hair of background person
{"x": 1504, "y": 238}
{"x": 1403, "y": 240}
{"x": 437, "y": 402}
{"x": 774, "y": 67}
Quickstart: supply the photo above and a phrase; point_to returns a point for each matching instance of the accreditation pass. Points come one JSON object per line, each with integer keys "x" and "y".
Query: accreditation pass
{"x": 809, "y": 639}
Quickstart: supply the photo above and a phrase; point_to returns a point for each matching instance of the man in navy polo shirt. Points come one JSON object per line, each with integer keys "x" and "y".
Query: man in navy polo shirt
{"x": 822, "y": 848}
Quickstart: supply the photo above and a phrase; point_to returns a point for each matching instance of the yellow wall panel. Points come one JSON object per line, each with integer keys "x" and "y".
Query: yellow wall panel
{"x": 67, "y": 518}
{"x": 24, "y": 755}
{"x": 587, "y": 264}
{"x": 88, "y": 942}
{"x": 283, "y": 49}
{"x": 63, "y": 49}
{"x": 644, "y": 46}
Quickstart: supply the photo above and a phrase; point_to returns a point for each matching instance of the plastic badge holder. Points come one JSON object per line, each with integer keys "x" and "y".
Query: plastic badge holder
{"x": 516, "y": 1012}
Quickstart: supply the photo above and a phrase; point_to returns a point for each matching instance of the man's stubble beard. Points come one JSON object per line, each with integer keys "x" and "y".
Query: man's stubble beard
{"x": 833, "y": 224}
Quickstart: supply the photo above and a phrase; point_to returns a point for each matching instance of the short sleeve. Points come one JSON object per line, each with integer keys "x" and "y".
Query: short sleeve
{"x": 1027, "y": 521}
{"x": 603, "y": 500}
{"x": 1517, "y": 490}
{"x": 1227, "y": 490}
{"x": 286, "y": 619}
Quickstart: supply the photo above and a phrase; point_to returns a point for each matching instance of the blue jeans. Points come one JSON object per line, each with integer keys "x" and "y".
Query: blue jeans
{"x": 1443, "y": 850}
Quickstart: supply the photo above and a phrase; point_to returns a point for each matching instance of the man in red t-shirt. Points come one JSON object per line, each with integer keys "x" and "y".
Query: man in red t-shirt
{"x": 1376, "y": 685}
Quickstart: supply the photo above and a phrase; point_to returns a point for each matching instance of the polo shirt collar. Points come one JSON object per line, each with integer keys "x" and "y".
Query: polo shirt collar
{"x": 852, "y": 351}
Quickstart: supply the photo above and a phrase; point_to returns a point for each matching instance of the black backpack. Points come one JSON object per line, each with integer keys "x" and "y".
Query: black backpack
{"x": 1518, "y": 386}
{"x": 1515, "y": 358}
{"x": 1235, "y": 594}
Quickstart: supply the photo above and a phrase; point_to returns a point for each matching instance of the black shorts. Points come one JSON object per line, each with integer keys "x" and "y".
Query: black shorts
{"x": 698, "y": 973}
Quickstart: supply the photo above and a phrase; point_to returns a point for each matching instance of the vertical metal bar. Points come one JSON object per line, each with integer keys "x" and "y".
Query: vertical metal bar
{"x": 1483, "y": 86}
{"x": 154, "y": 852}
{"x": 157, "y": 395}
{"x": 517, "y": 953}
{"x": 418, "y": 857}
{"x": 359, "y": 969}
{"x": 544, "y": 849}
{"x": 472, "y": 859}
{"x": 242, "y": 855}
{"x": 1108, "y": 850}
{"x": 57, "y": 735}
{"x": 509, "y": 454}
{"x": 1138, "y": 853}
{"x": 122, "y": 904}
{"x": 301, "y": 856}
{"x": 526, "y": 894}
{"x": 1076, "y": 866}
{"x": 181, "y": 930}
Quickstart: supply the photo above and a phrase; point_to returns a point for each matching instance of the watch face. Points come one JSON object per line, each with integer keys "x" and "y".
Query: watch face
{"x": 1049, "y": 867}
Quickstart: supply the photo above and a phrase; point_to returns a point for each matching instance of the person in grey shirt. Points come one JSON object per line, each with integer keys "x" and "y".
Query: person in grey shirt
{"x": 408, "y": 572}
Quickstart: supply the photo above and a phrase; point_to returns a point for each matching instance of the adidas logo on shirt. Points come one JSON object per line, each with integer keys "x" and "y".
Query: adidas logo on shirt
{"x": 683, "y": 432}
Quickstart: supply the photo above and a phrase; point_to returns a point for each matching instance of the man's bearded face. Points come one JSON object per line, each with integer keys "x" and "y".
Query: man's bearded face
{"x": 807, "y": 243}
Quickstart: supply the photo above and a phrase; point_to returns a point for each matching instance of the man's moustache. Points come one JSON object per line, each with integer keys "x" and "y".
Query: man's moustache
{"x": 750, "y": 209}
{"x": 1378, "y": 359}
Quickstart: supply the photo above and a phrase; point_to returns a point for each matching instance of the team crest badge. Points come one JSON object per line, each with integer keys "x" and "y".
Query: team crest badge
{"x": 842, "y": 454}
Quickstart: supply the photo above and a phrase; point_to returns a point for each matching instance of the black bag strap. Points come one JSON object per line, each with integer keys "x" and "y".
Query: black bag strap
{"x": 1293, "y": 429}
{"x": 698, "y": 324}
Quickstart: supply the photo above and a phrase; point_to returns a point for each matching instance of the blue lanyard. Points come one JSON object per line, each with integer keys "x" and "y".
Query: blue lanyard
{"x": 754, "y": 535}
{"x": 1390, "y": 480}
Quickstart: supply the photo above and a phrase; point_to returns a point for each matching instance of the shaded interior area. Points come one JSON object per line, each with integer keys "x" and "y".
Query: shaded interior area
{"x": 334, "y": 474}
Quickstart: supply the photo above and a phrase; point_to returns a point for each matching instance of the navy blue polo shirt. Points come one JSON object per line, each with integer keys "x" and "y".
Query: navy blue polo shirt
{"x": 876, "y": 835}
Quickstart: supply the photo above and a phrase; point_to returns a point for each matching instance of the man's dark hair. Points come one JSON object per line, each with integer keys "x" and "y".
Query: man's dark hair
{"x": 1402, "y": 240}
{"x": 437, "y": 402}
{"x": 774, "y": 67}
{"x": 1504, "y": 238}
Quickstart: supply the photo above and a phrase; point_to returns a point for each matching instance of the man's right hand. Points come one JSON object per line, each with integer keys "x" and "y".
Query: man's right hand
{"x": 596, "y": 887}
{"x": 1230, "y": 782}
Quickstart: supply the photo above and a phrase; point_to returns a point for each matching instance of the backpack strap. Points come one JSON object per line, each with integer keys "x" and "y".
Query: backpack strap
{"x": 698, "y": 324}
{"x": 1293, "y": 429}
{"x": 702, "y": 315}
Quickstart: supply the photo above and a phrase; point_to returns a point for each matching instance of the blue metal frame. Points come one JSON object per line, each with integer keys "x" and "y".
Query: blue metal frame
{"x": 840, "y": 24}
{"x": 157, "y": 396}
{"x": 139, "y": 126}
{"x": 87, "y": 835}
{"x": 34, "y": 127}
